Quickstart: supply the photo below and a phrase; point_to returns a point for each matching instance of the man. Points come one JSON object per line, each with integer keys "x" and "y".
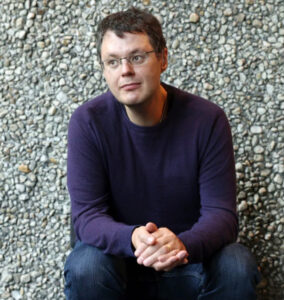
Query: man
{"x": 152, "y": 182}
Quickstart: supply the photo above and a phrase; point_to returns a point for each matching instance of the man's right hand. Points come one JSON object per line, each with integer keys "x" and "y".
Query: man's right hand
{"x": 142, "y": 237}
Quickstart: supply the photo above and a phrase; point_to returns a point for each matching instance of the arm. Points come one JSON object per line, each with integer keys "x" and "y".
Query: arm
{"x": 89, "y": 191}
{"x": 217, "y": 225}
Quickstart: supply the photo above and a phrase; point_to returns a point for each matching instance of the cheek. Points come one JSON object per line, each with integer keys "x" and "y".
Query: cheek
{"x": 110, "y": 80}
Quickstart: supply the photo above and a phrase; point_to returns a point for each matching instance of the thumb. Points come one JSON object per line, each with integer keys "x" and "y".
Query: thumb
{"x": 151, "y": 227}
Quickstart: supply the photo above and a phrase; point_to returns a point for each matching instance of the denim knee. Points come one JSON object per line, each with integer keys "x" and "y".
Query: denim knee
{"x": 89, "y": 274}
{"x": 236, "y": 261}
{"x": 231, "y": 274}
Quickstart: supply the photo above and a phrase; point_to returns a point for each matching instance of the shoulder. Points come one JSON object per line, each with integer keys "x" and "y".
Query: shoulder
{"x": 194, "y": 106}
{"x": 94, "y": 109}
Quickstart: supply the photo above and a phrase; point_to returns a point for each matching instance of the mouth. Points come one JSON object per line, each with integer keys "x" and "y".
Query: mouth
{"x": 130, "y": 86}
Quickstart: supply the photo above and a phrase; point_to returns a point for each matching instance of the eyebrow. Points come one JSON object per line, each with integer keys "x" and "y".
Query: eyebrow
{"x": 137, "y": 50}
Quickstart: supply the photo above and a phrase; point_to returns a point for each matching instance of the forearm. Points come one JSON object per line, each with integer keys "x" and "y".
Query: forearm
{"x": 105, "y": 233}
{"x": 214, "y": 230}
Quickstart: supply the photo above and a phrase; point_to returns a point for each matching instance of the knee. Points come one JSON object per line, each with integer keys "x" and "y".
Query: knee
{"x": 81, "y": 263}
{"x": 236, "y": 263}
{"x": 86, "y": 263}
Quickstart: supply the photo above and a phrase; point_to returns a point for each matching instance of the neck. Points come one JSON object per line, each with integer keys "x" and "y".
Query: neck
{"x": 150, "y": 112}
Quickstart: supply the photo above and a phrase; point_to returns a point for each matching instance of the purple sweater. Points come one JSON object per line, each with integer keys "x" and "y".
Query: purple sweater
{"x": 178, "y": 174}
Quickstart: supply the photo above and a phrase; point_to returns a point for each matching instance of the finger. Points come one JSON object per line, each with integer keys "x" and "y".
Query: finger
{"x": 177, "y": 263}
{"x": 151, "y": 227}
{"x": 164, "y": 257}
{"x": 171, "y": 262}
{"x": 147, "y": 237}
{"x": 168, "y": 265}
{"x": 151, "y": 254}
{"x": 182, "y": 254}
{"x": 185, "y": 261}
{"x": 142, "y": 247}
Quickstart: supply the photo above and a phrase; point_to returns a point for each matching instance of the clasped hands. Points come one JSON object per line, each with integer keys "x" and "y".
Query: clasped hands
{"x": 158, "y": 248}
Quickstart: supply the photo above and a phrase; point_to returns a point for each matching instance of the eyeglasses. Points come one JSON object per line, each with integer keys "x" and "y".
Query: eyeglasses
{"x": 136, "y": 59}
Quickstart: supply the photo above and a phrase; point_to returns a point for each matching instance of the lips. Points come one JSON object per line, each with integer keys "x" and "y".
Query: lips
{"x": 130, "y": 86}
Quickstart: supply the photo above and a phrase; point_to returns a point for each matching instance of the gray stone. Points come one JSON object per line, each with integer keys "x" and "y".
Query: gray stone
{"x": 16, "y": 295}
{"x": 257, "y": 23}
{"x": 61, "y": 97}
{"x": 228, "y": 12}
{"x": 258, "y": 149}
{"x": 21, "y": 34}
{"x": 26, "y": 278}
{"x": 278, "y": 179}
{"x": 6, "y": 276}
{"x": 256, "y": 129}
{"x": 270, "y": 89}
{"x": 24, "y": 197}
{"x": 243, "y": 206}
{"x": 20, "y": 187}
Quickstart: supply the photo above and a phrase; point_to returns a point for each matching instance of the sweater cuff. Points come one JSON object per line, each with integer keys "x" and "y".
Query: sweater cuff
{"x": 129, "y": 251}
{"x": 193, "y": 247}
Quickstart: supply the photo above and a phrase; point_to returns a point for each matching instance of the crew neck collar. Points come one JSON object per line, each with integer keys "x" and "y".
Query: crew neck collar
{"x": 155, "y": 127}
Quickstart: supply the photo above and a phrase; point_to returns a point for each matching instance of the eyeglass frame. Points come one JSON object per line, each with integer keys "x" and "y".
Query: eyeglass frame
{"x": 127, "y": 58}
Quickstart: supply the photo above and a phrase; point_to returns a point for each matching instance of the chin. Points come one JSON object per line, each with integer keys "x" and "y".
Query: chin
{"x": 131, "y": 102}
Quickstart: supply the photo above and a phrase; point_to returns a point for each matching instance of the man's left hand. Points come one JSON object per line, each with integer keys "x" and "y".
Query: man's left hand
{"x": 167, "y": 252}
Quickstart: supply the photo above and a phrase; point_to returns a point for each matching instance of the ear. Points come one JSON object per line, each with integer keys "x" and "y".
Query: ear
{"x": 164, "y": 60}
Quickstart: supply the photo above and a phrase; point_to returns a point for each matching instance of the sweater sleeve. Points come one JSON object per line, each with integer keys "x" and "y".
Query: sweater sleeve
{"x": 217, "y": 224}
{"x": 89, "y": 192}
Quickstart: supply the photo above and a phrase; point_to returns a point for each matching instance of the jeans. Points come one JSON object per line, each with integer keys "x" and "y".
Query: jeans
{"x": 231, "y": 274}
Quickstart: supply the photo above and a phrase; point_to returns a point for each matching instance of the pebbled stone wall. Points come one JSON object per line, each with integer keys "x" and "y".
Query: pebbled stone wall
{"x": 231, "y": 52}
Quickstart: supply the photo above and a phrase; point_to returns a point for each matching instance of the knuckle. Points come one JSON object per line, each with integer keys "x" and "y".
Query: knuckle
{"x": 165, "y": 249}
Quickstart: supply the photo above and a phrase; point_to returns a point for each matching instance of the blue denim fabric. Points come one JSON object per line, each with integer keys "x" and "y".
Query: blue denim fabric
{"x": 90, "y": 274}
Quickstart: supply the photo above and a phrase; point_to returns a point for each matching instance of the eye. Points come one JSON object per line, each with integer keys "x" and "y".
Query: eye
{"x": 112, "y": 63}
{"x": 138, "y": 58}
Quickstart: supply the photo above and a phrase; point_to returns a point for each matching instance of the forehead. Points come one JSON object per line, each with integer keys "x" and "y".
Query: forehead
{"x": 115, "y": 45}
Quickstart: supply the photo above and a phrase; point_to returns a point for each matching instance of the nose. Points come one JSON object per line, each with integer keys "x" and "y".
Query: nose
{"x": 126, "y": 68}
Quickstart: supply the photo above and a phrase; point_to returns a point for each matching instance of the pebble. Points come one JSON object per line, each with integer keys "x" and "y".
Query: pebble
{"x": 61, "y": 96}
{"x": 240, "y": 17}
{"x": 270, "y": 89}
{"x": 271, "y": 187}
{"x": 24, "y": 197}
{"x": 20, "y": 187}
{"x": 228, "y": 12}
{"x": 258, "y": 149}
{"x": 243, "y": 206}
{"x": 175, "y": 44}
{"x": 52, "y": 111}
{"x": 257, "y": 23}
{"x": 194, "y": 18}
{"x": 6, "y": 276}
{"x": 256, "y": 129}
{"x": 208, "y": 86}
{"x": 21, "y": 34}
{"x": 231, "y": 55}
{"x": 26, "y": 278}
{"x": 24, "y": 168}
{"x": 16, "y": 295}
{"x": 278, "y": 179}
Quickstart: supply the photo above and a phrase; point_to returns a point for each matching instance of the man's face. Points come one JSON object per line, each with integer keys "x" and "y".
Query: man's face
{"x": 132, "y": 85}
